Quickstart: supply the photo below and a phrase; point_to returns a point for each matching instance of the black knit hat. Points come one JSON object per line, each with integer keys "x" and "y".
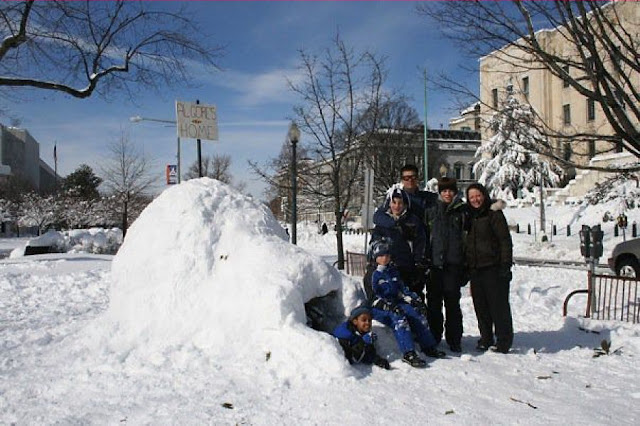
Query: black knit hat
{"x": 447, "y": 183}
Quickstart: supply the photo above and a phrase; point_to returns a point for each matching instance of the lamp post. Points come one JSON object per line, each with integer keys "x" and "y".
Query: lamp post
{"x": 137, "y": 119}
{"x": 294, "y": 137}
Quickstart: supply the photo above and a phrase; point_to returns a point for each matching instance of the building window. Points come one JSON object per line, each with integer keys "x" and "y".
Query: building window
{"x": 566, "y": 114}
{"x": 619, "y": 98}
{"x": 472, "y": 175}
{"x": 590, "y": 65}
{"x": 494, "y": 96}
{"x": 592, "y": 149}
{"x": 565, "y": 82}
{"x": 567, "y": 151}
{"x": 509, "y": 89}
{"x": 525, "y": 86}
{"x": 616, "y": 58}
{"x": 591, "y": 110}
{"x": 457, "y": 168}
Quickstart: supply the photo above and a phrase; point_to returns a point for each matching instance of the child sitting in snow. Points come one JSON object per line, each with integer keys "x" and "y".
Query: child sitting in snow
{"x": 357, "y": 339}
{"x": 397, "y": 307}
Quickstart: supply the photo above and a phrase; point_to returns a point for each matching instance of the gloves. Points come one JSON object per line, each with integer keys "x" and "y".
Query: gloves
{"x": 419, "y": 306}
{"x": 369, "y": 338}
{"x": 381, "y": 362}
{"x": 504, "y": 273}
{"x": 388, "y": 306}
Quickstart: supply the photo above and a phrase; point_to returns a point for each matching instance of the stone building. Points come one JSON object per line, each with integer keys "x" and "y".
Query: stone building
{"x": 560, "y": 106}
{"x": 20, "y": 157}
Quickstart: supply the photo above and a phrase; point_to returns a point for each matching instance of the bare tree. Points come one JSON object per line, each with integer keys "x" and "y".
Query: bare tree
{"x": 340, "y": 94}
{"x": 601, "y": 61}
{"x": 394, "y": 143}
{"x": 216, "y": 167}
{"x": 84, "y": 47}
{"x": 126, "y": 177}
{"x": 276, "y": 174}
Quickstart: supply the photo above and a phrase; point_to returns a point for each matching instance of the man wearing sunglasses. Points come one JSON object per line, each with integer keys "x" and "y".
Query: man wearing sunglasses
{"x": 421, "y": 201}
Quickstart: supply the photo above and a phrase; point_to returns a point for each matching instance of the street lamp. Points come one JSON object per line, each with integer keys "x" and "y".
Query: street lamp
{"x": 137, "y": 119}
{"x": 294, "y": 137}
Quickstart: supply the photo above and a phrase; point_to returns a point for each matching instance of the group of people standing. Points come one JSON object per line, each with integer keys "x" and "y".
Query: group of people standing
{"x": 424, "y": 248}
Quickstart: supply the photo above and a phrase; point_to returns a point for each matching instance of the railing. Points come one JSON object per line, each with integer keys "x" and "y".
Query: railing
{"x": 356, "y": 263}
{"x": 616, "y": 298}
{"x": 610, "y": 297}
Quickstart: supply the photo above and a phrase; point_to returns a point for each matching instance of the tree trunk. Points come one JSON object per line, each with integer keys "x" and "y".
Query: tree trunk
{"x": 124, "y": 219}
{"x": 339, "y": 238}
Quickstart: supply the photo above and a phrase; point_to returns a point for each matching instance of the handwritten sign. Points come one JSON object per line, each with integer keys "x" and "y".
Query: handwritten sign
{"x": 196, "y": 121}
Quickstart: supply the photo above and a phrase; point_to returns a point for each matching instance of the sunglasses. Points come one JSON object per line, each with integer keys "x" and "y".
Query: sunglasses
{"x": 409, "y": 177}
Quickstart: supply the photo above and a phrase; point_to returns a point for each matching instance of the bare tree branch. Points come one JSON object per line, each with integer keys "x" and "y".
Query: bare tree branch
{"x": 78, "y": 47}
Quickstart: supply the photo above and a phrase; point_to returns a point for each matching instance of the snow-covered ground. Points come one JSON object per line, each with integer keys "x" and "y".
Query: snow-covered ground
{"x": 199, "y": 319}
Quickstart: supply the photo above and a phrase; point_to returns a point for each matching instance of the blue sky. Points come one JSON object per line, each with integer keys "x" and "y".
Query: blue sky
{"x": 254, "y": 105}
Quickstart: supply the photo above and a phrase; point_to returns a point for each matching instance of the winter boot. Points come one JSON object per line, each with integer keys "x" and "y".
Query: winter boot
{"x": 483, "y": 346}
{"x": 499, "y": 348}
{"x": 432, "y": 352}
{"x": 414, "y": 360}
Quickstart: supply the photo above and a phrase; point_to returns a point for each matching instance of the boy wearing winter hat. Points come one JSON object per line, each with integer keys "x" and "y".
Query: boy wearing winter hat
{"x": 446, "y": 221}
{"x": 357, "y": 339}
{"x": 400, "y": 309}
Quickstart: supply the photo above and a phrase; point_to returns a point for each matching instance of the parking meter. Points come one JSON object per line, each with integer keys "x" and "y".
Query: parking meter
{"x": 622, "y": 220}
{"x": 596, "y": 242}
{"x": 585, "y": 241}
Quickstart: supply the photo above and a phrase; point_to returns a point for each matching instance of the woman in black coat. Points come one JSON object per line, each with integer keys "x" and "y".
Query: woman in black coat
{"x": 489, "y": 255}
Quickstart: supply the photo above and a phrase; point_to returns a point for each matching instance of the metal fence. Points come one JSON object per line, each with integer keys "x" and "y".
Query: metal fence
{"x": 356, "y": 263}
{"x": 615, "y": 298}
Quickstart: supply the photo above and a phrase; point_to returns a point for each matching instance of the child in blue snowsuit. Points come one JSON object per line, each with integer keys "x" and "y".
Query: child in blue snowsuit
{"x": 397, "y": 307}
{"x": 357, "y": 339}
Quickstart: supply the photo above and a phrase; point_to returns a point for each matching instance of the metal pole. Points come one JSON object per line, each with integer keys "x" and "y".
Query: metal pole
{"x": 592, "y": 281}
{"x": 199, "y": 151}
{"x": 179, "y": 159}
{"x": 542, "y": 213}
{"x": 426, "y": 151}
{"x": 294, "y": 190}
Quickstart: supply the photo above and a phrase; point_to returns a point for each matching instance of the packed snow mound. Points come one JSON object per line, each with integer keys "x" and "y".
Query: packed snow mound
{"x": 93, "y": 240}
{"x": 208, "y": 268}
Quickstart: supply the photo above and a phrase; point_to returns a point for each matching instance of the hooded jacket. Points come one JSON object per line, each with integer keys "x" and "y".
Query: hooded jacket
{"x": 487, "y": 241}
{"x": 406, "y": 232}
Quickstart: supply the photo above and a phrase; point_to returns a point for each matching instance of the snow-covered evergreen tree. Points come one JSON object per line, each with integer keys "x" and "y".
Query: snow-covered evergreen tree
{"x": 507, "y": 162}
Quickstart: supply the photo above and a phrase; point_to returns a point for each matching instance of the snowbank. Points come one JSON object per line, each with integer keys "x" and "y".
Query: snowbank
{"x": 94, "y": 240}
{"x": 207, "y": 269}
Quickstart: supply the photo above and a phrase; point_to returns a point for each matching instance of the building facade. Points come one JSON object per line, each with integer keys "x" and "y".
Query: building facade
{"x": 20, "y": 157}
{"x": 450, "y": 153}
{"x": 561, "y": 107}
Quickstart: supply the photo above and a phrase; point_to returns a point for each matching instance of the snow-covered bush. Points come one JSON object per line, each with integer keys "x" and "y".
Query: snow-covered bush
{"x": 623, "y": 187}
{"x": 94, "y": 240}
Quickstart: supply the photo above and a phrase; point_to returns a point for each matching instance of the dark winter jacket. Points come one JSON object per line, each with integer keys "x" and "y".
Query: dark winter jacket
{"x": 446, "y": 222}
{"x": 358, "y": 348}
{"x": 407, "y": 234}
{"x": 421, "y": 202}
{"x": 487, "y": 240}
